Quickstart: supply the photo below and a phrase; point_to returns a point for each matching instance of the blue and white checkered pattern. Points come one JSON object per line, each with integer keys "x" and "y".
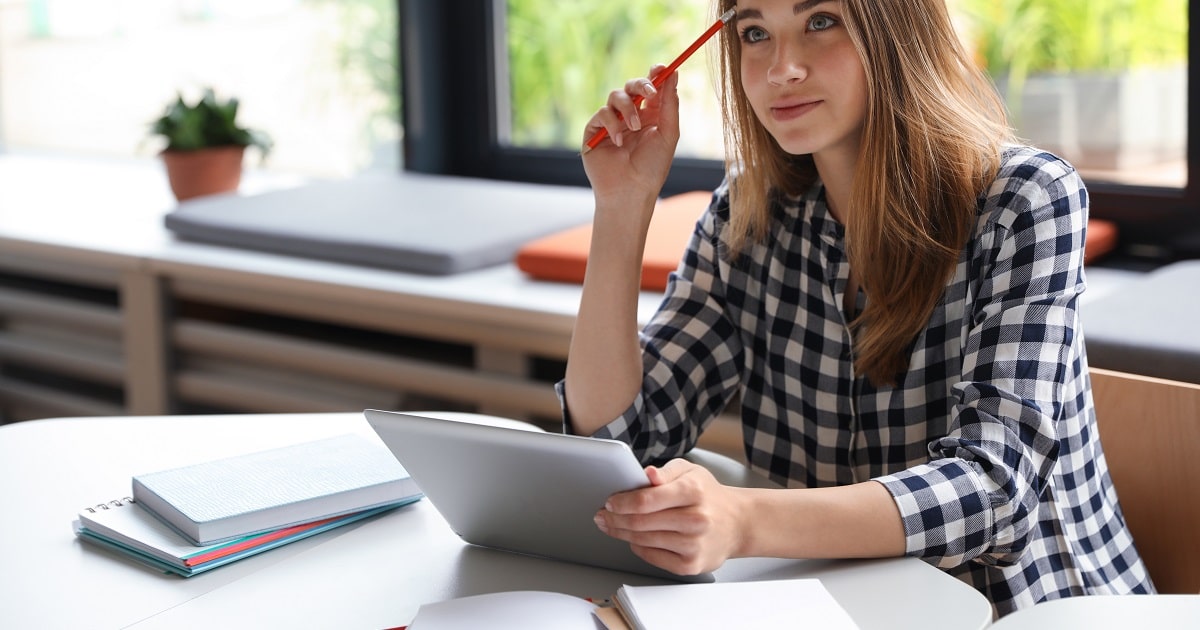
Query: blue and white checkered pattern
{"x": 988, "y": 442}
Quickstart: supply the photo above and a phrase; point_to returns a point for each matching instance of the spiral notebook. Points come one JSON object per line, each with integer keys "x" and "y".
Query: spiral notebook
{"x": 124, "y": 526}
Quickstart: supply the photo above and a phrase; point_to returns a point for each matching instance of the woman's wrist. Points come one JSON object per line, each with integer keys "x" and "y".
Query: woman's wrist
{"x": 855, "y": 521}
{"x": 623, "y": 206}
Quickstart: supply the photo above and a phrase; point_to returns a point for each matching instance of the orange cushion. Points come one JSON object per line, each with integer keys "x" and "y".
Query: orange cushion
{"x": 1101, "y": 239}
{"x": 563, "y": 256}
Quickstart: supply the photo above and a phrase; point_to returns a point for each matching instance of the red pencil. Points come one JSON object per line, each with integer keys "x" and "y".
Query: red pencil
{"x": 662, "y": 76}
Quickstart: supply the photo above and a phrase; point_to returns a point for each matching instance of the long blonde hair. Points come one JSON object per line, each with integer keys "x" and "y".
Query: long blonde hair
{"x": 932, "y": 139}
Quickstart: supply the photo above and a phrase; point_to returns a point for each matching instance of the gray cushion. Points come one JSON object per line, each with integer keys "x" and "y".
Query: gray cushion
{"x": 423, "y": 223}
{"x": 1149, "y": 326}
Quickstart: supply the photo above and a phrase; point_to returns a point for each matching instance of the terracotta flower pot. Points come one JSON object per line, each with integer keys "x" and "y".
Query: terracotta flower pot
{"x": 204, "y": 171}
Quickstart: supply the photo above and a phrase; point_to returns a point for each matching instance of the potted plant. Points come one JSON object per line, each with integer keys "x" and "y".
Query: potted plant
{"x": 205, "y": 145}
{"x": 1103, "y": 83}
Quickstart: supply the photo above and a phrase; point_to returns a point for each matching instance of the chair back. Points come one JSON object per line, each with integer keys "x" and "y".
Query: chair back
{"x": 1150, "y": 429}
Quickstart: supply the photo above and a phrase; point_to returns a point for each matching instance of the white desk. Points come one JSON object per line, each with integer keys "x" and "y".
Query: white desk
{"x": 369, "y": 575}
{"x": 1107, "y": 611}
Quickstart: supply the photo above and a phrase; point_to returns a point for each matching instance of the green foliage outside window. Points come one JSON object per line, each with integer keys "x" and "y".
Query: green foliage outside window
{"x": 565, "y": 56}
{"x": 368, "y": 57}
{"x": 1023, "y": 37}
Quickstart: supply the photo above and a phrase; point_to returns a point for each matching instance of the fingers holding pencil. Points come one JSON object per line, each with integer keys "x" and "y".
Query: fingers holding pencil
{"x": 660, "y": 74}
{"x": 621, "y": 111}
{"x": 637, "y": 106}
{"x": 627, "y": 102}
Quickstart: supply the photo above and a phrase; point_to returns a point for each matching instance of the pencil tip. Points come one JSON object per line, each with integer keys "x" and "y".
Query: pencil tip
{"x": 585, "y": 149}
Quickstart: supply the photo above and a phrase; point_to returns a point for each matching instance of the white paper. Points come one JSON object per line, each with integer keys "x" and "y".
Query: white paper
{"x": 512, "y": 610}
{"x": 723, "y": 605}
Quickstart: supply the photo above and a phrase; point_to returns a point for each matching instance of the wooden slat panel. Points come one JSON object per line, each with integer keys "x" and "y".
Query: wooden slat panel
{"x": 81, "y": 362}
{"x": 256, "y": 396}
{"x": 53, "y": 402}
{"x": 143, "y": 304}
{"x": 401, "y": 315}
{"x": 65, "y": 264}
{"x": 360, "y": 366}
{"x": 75, "y": 313}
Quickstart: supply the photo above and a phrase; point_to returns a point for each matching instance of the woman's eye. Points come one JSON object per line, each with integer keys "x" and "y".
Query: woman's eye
{"x": 753, "y": 34}
{"x": 821, "y": 22}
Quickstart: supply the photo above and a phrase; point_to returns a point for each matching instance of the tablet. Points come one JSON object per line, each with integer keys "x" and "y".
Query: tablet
{"x": 527, "y": 492}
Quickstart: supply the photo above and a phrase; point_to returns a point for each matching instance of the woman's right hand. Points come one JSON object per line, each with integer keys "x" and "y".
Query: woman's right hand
{"x": 636, "y": 156}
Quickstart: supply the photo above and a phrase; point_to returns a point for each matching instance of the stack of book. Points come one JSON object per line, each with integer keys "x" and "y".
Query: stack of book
{"x": 195, "y": 518}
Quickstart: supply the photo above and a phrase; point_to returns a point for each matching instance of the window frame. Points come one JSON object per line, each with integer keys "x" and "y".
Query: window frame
{"x": 452, "y": 111}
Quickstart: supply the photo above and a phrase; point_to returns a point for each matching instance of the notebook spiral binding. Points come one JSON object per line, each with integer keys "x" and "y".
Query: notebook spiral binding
{"x": 110, "y": 505}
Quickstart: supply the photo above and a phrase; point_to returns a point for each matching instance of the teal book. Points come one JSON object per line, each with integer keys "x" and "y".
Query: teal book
{"x": 226, "y": 499}
{"x": 126, "y": 528}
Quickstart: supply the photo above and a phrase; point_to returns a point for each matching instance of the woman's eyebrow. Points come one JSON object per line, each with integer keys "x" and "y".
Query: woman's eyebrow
{"x": 798, "y": 8}
{"x": 801, "y": 7}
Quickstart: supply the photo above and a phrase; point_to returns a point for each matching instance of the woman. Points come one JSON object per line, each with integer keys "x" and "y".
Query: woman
{"x": 889, "y": 287}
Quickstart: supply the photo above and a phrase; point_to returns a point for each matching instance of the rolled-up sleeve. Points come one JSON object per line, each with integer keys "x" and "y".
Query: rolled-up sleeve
{"x": 977, "y": 498}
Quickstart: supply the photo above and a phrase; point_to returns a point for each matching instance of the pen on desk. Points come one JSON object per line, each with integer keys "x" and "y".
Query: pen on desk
{"x": 662, "y": 76}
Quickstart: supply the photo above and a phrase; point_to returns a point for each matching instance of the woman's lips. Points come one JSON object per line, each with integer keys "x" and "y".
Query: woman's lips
{"x": 793, "y": 111}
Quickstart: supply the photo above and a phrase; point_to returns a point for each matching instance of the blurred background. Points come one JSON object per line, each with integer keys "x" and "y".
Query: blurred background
{"x": 1102, "y": 82}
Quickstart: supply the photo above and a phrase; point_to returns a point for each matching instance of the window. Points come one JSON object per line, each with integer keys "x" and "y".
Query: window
{"x": 564, "y": 57}
{"x": 459, "y": 117}
{"x": 86, "y": 77}
{"x": 1103, "y": 83}
{"x": 473, "y": 108}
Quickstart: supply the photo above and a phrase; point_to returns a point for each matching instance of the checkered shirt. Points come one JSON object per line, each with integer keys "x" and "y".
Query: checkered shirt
{"x": 988, "y": 442}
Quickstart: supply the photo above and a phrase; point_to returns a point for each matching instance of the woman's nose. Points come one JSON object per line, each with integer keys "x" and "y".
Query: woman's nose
{"x": 788, "y": 66}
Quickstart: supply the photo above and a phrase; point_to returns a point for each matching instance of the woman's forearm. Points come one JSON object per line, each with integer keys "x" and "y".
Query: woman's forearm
{"x": 856, "y": 521}
{"x": 604, "y": 368}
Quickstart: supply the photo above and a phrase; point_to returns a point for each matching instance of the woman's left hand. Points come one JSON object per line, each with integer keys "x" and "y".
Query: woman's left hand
{"x": 685, "y": 522}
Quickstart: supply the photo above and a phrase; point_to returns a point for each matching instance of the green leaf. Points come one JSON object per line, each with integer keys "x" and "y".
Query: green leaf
{"x": 1022, "y": 37}
{"x": 209, "y": 122}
